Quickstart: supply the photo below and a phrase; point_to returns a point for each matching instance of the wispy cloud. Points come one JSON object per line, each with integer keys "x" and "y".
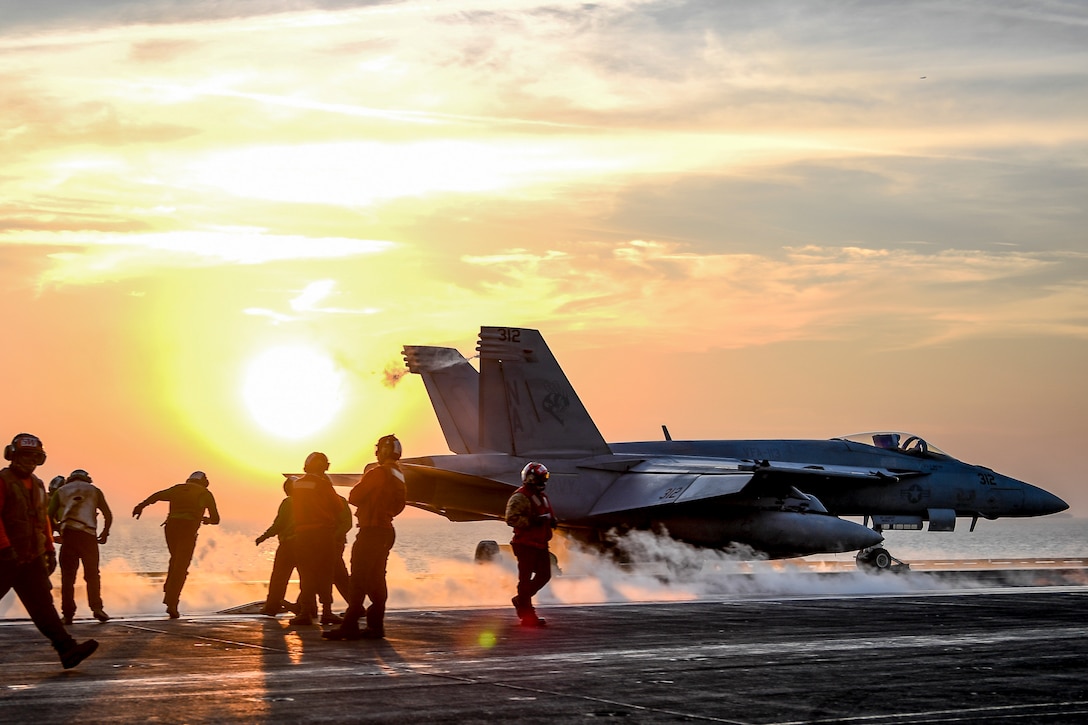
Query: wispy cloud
{"x": 904, "y": 298}
{"x": 81, "y": 258}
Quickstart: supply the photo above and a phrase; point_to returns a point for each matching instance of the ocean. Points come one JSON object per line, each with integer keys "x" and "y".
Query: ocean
{"x": 433, "y": 566}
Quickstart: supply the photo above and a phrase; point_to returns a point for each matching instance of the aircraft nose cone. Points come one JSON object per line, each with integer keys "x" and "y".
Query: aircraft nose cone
{"x": 839, "y": 535}
{"x": 1041, "y": 503}
{"x": 867, "y": 539}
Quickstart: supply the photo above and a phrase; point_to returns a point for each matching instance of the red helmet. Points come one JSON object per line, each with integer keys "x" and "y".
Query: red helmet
{"x": 535, "y": 474}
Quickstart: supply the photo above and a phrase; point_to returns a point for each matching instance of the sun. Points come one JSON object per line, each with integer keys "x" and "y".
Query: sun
{"x": 293, "y": 391}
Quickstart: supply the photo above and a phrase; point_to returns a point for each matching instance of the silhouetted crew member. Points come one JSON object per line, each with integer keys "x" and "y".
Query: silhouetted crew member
{"x": 378, "y": 497}
{"x": 530, "y": 514}
{"x": 26, "y": 546}
{"x": 287, "y": 560}
{"x": 341, "y": 577}
{"x": 73, "y": 509}
{"x": 316, "y": 508}
{"x": 188, "y": 503}
{"x": 283, "y": 528}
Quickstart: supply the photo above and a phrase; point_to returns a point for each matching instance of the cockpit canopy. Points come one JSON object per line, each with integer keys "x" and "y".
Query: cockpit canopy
{"x": 896, "y": 441}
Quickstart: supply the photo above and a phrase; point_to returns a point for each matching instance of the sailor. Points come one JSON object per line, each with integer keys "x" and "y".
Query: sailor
{"x": 378, "y": 498}
{"x": 283, "y": 528}
{"x": 530, "y": 514}
{"x": 188, "y": 503}
{"x": 316, "y": 508}
{"x": 26, "y": 546}
{"x": 73, "y": 509}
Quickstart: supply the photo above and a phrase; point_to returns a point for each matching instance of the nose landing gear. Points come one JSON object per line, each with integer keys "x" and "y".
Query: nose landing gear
{"x": 877, "y": 559}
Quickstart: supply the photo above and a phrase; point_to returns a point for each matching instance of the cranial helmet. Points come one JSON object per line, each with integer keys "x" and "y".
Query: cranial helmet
{"x": 79, "y": 475}
{"x": 26, "y": 442}
{"x": 388, "y": 448}
{"x": 534, "y": 474}
{"x": 198, "y": 477}
{"x": 316, "y": 462}
{"x": 56, "y": 483}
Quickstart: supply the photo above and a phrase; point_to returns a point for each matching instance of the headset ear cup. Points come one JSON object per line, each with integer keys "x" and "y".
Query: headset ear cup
{"x": 9, "y": 449}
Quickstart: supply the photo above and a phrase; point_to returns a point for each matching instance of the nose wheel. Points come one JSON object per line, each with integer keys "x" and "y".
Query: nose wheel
{"x": 877, "y": 559}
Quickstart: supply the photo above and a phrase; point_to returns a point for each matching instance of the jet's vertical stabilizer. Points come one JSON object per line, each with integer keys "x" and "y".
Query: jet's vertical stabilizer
{"x": 527, "y": 405}
{"x": 454, "y": 388}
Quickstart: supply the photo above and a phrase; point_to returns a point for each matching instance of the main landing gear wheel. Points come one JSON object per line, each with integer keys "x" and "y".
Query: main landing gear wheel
{"x": 487, "y": 551}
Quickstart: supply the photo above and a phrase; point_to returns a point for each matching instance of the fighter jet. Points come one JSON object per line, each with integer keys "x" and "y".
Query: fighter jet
{"x": 776, "y": 498}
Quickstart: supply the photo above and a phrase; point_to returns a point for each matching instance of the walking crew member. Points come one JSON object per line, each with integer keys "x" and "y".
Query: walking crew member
{"x": 530, "y": 514}
{"x": 316, "y": 508}
{"x": 188, "y": 502}
{"x": 26, "y": 546}
{"x": 378, "y": 497}
{"x": 73, "y": 509}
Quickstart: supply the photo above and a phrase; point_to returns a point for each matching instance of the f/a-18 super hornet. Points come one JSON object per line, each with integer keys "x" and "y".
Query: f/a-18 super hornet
{"x": 780, "y": 498}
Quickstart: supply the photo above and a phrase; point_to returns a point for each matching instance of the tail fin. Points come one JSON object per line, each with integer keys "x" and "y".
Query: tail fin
{"x": 454, "y": 388}
{"x": 527, "y": 405}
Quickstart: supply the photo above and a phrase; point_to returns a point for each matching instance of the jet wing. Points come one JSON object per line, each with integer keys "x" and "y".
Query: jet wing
{"x": 457, "y": 496}
{"x": 666, "y": 481}
{"x": 344, "y": 480}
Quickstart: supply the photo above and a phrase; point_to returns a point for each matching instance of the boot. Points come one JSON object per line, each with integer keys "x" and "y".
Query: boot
{"x": 76, "y": 653}
{"x": 328, "y": 616}
{"x": 306, "y": 614}
{"x": 529, "y": 618}
{"x": 101, "y": 616}
{"x": 342, "y": 633}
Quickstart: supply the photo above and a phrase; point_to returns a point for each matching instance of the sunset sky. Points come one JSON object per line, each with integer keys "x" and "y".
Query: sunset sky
{"x": 220, "y": 221}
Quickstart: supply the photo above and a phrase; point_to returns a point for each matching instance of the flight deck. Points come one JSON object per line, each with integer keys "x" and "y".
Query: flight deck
{"x": 1000, "y": 653}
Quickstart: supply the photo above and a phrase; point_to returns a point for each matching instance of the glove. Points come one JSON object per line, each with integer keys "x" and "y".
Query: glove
{"x": 7, "y": 554}
{"x": 103, "y": 537}
{"x": 261, "y": 539}
{"x": 50, "y": 561}
{"x": 542, "y": 520}
{"x": 137, "y": 511}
